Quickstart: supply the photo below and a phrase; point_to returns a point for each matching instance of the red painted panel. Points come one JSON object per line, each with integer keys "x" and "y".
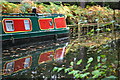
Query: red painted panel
{"x": 45, "y": 56}
{"x": 58, "y": 53}
{"x": 45, "y": 24}
{"x": 60, "y": 22}
{"x": 17, "y": 65}
{"x": 18, "y": 24}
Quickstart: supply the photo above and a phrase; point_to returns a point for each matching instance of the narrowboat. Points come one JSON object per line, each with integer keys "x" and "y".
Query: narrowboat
{"x": 24, "y": 28}
{"x": 30, "y": 39}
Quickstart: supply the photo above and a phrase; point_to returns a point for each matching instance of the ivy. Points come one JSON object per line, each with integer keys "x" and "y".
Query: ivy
{"x": 79, "y": 62}
{"x": 71, "y": 63}
{"x": 90, "y": 60}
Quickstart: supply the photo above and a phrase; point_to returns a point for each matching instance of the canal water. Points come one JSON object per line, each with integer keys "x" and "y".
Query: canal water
{"x": 42, "y": 68}
{"x": 23, "y": 60}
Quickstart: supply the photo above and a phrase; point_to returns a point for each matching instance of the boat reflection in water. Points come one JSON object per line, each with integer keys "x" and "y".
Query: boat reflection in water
{"x": 29, "y": 40}
{"x": 31, "y": 61}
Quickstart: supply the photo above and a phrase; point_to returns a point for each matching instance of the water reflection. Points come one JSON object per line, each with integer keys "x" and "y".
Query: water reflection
{"x": 26, "y": 65}
{"x": 45, "y": 67}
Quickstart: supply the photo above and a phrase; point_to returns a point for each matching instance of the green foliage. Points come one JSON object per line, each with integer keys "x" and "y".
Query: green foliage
{"x": 76, "y": 73}
{"x": 55, "y": 68}
{"x": 90, "y": 60}
{"x": 97, "y": 68}
{"x": 108, "y": 29}
{"x": 96, "y": 73}
{"x": 68, "y": 69}
{"x": 73, "y": 13}
{"x": 71, "y": 63}
{"x": 59, "y": 69}
{"x": 79, "y": 62}
{"x": 26, "y": 7}
{"x": 98, "y": 58}
{"x": 84, "y": 75}
{"x": 73, "y": 72}
{"x": 110, "y": 78}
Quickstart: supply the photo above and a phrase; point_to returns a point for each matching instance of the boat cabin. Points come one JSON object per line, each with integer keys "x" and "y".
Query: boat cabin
{"x": 18, "y": 26}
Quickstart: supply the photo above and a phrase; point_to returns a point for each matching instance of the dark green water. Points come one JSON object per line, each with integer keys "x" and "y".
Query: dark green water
{"x": 45, "y": 70}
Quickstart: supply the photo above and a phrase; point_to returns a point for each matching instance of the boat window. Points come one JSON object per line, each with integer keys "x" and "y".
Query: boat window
{"x": 60, "y": 22}
{"x": 9, "y": 25}
{"x": 17, "y": 25}
{"x": 27, "y": 63}
{"x": 27, "y": 24}
{"x": 46, "y": 23}
{"x": 10, "y": 67}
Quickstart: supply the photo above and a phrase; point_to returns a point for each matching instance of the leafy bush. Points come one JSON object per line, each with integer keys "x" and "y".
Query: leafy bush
{"x": 90, "y": 13}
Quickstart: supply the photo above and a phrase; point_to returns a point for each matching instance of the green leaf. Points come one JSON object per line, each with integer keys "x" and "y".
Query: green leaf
{"x": 104, "y": 66}
{"x": 91, "y": 47}
{"x": 96, "y": 20}
{"x": 88, "y": 33}
{"x": 88, "y": 65}
{"x": 95, "y": 76}
{"x": 103, "y": 56}
{"x": 99, "y": 65}
{"x": 105, "y": 46}
{"x": 96, "y": 73}
{"x": 108, "y": 29}
{"x": 59, "y": 69}
{"x": 98, "y": 29}
{"x": 79, "y": 62}
{"x": 77, "y": 75}
{"x": 72, "y": 50}
{"x": 98, "y": 58}
{"x": 70, "y": 15}
{"x": 112, "y": 21}
{"x": 84, "y": 69}
{"x": 77, "y": 11}
{"x": 104, "y": 60}
{"x": 90, "y": 60}
{"x": 111, "y": 77}
{"x": 55, "y": 69}
{"x": 99, "y": 51}
{"x": 71, "y": 63}
{"x": 75, "y": 72}
{"x": 107, "y": 24}
{"x": 71, "y": 72}
{"x": 84, "y": 75}
{"x": 68, "y": 69}
{"x": 92, "y": 30}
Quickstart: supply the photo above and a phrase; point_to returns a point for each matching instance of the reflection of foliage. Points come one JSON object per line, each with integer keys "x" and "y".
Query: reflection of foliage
{"x": 101, "y": 64}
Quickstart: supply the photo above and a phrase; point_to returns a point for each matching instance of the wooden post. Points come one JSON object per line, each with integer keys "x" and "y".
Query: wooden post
{"x": 74, "y": 29}
{"x": 113, "y": 22}
{"x": 113, "y": 28}
{"x": 87, "y": 29}
{"x": 93, "y": 30}
{"x": 98, "y": 27}
{"x": 79, "y": 32}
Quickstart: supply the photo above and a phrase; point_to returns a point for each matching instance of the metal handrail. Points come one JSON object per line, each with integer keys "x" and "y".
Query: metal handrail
{"x": 33, "y": 14}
